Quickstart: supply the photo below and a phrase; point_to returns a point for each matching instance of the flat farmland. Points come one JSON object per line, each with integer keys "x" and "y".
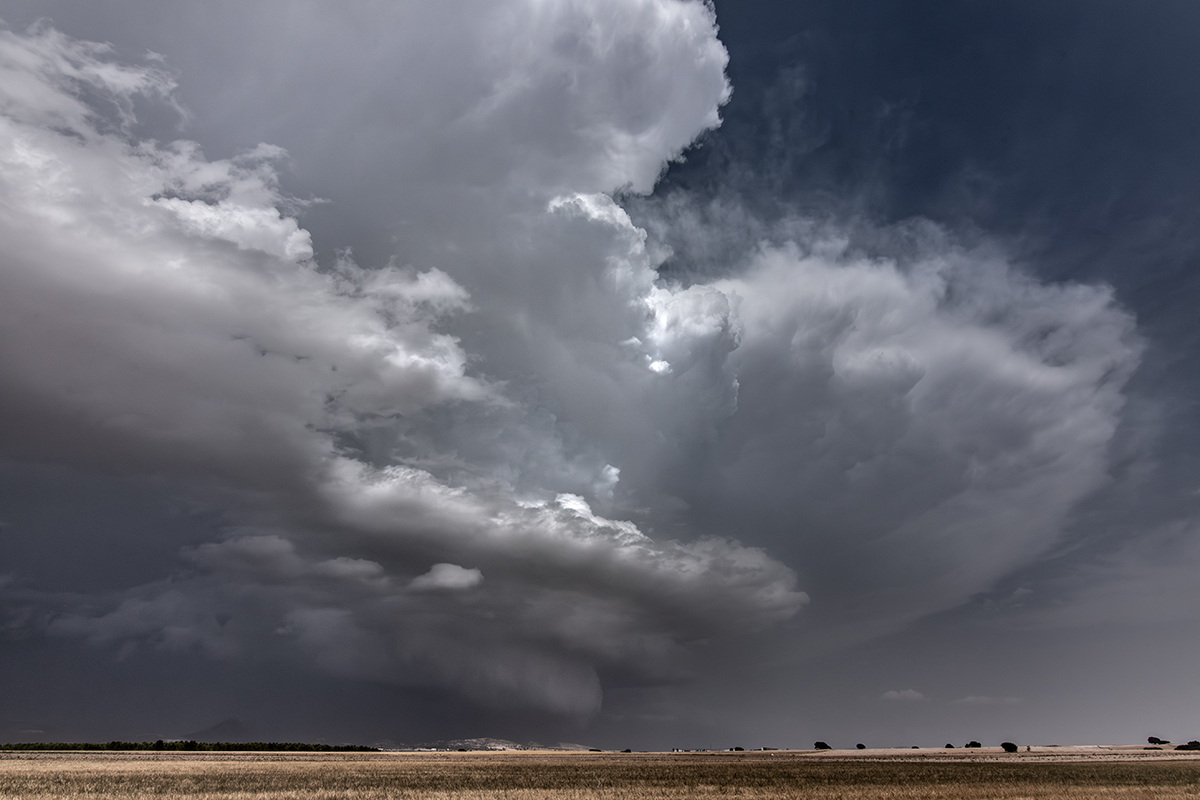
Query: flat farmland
{"x": 534, "y": 775}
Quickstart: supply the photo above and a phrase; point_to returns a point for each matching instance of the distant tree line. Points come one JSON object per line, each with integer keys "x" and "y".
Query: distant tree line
{"x": 1010, "y": 747}
{"x": 189, "y": 745}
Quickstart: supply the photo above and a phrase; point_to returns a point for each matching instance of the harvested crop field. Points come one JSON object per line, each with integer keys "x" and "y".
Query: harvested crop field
{"x": 583, "y": 776}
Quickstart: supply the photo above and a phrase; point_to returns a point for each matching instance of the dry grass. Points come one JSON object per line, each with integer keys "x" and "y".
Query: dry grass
{"x": 586, "y": 776}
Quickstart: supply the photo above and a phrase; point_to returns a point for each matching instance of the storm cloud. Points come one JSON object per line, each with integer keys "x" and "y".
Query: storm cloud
{"x": 472, "y": 405}
{"x": 163, "y": 315}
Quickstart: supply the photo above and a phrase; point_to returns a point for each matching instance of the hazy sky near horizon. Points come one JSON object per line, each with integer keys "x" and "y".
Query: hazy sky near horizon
{"x": 639, "y": 373}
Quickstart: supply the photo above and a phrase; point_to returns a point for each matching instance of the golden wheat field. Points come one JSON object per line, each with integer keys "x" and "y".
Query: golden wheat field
{"x": 598, "y": 776}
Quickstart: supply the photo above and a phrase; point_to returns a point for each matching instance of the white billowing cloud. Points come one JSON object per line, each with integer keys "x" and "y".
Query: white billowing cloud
{"x": 972, "y": 406}
{"x": 447, "y": 576}
{"x": 710, "y": 579}
{"x": 609, "y": 82}
{"x": 544, "y": 96}
{"x": 911, "y": 431}
{"x": 161, "y": 314}
{"x": 159, "y": 305}
{"x": 244, "y": 213}
{"x": 903, "y": 696}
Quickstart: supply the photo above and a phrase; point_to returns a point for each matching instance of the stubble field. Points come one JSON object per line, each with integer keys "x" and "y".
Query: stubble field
{"x": 600, "y": 776}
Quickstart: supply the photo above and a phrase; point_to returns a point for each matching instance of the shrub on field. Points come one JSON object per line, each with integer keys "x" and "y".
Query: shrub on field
{"x": 972, "y": 744}
{"x": 949, "y": 746}
{"x": 1192, "y": 745}
{"x": 1009, "y": 747}
{"x": 1156, "y": 740}
{"x": 822, "y": 746}
{"x": 861, "y": 746}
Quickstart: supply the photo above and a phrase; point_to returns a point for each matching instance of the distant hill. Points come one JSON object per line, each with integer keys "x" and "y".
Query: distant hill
{"x": 228, "y": 730}
{"x": 483, "y": 743}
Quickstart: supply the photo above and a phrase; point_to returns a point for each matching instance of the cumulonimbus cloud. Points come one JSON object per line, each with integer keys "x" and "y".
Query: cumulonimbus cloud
{"x": 161, "y": 315}
{"x": 431, "y": 471}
